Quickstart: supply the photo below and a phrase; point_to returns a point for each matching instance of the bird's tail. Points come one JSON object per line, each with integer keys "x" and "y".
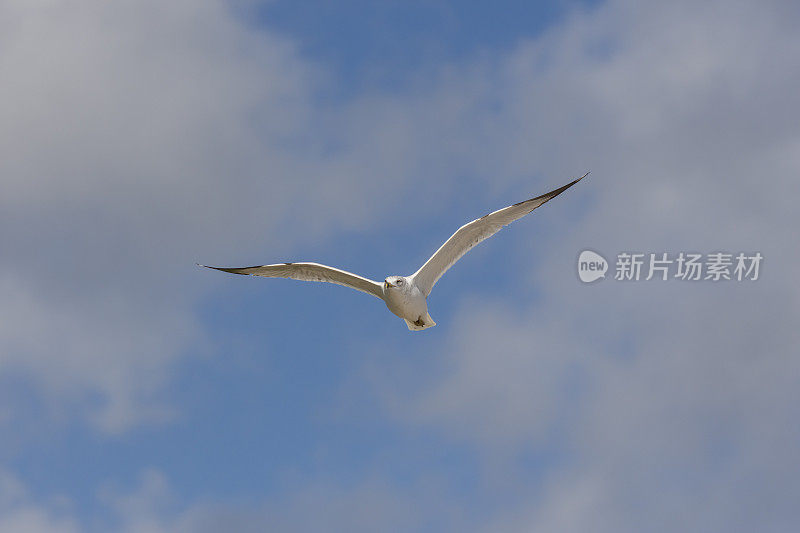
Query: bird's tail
{"x": 427, "y": 322}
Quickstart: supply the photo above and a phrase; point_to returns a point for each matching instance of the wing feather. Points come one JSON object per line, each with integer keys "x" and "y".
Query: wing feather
{"x": 475, "y": 232}
{"x": 310, "y": 272}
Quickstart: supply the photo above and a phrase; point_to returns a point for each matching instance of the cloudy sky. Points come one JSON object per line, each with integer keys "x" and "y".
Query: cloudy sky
{"x": 139, "y": 393}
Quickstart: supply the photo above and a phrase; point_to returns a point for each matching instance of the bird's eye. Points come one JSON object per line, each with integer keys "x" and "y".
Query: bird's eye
{"x": 399, "y": 281}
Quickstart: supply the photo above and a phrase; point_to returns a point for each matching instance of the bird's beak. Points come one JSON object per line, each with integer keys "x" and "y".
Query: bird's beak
{"x": 386, "y": 284}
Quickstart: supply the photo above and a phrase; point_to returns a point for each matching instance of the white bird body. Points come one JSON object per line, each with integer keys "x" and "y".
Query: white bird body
{"x": 407, "y": 296}
{"x": 406, "y": 300}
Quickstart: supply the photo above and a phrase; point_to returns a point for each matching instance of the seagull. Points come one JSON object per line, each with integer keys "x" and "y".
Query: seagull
{"x": 407, "y": 296}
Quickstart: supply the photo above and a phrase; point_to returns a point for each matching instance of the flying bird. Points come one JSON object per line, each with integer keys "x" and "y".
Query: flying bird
{"x": 407, "y": 296}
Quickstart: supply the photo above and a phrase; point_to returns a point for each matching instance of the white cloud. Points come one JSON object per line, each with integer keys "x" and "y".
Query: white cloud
{"x": 131, "y": 135}
{"x": 365, "y": 505}
{"x": 18, "y": 512}
{"x": 136, "y": 139}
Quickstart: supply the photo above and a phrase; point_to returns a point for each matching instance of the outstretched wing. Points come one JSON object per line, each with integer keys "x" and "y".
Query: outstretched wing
{"x": 474, "y": 232}
{"x": 310, "y": 272}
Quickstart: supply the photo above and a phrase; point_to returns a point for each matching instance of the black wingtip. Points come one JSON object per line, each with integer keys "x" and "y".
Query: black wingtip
{"x": 552, "y": 194}
{"x": 567, "y": 186}
{"x": 229, "y": 270}
{"x": 558, "y": 191}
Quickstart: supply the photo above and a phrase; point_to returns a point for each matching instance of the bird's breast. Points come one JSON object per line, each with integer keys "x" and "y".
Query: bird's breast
{"x": 409, "y": 305}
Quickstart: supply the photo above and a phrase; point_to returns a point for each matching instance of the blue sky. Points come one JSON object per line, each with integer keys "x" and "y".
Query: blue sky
{"x": 389, "y": 44}
{"x": 140, "y": 393}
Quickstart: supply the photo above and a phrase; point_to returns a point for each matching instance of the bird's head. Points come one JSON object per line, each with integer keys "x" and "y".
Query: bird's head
{"x": 395, "y": 282}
